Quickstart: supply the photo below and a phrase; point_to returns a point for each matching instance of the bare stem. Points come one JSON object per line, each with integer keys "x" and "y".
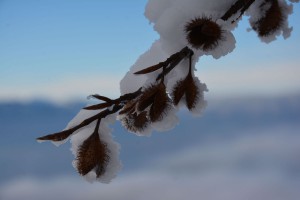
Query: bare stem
{"x": 240, "y": 5}
{"x": 59, "y": 136}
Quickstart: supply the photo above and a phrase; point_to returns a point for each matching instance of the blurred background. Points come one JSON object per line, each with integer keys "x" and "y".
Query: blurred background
{"x": 54, "y": 53}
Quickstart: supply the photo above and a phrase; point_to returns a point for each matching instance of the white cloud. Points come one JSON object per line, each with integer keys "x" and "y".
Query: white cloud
{"x": 273, "y": 149}
{"x": 256, "y": 166}
{"x": 278, "y": 79}
{"x": 267, "y": 80}
{"x": 64, "y": 90}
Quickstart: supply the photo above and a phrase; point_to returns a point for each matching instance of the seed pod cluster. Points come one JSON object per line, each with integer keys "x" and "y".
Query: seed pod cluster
{"x": 188, "y": 88}
{"x": 150, "y": 106}
{"x": 203, "y": 33}
{"x": 271, "y": 21}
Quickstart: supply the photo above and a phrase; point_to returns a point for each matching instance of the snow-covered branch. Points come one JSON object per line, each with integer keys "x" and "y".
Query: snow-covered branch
{"x": 162, "y": 80}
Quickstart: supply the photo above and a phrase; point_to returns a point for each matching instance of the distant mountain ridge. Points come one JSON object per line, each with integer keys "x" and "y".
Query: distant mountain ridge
{"x": 21, "y": 123}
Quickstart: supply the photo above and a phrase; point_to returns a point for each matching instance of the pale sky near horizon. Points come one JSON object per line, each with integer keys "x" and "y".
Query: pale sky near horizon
{"x": 62, "y": 50}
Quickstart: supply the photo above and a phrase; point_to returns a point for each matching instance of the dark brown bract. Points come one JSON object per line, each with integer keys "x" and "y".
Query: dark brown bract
{"x": 188, "y": 88}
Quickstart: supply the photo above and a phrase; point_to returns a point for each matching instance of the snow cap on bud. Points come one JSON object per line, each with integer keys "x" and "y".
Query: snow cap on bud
{"x": 203, "y": 33}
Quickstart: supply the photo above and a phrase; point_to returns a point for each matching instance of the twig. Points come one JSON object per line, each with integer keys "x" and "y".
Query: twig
{"x": 59, "y": 136}
{"x": 240, "y": 5}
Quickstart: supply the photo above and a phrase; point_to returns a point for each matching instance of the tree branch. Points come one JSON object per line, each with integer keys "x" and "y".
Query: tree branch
{"x": 168, "y": 65}
{"x": 240, "y": 5}
{"x": 59, "y": 136}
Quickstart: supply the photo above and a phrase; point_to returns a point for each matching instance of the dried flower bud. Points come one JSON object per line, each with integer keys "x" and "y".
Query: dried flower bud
{"x": 92, "y": 155}
{"x": 129, "y": 107}
{"x": 147, "y": 97}
{"x": 136, "y": 122}
{"x": 156, "y": 97}
{"x": 161, "y": 103}
{"x": 178, "y": 91}
{"x": 272, "y": 21}
{"x": 188, "y": 88}
{"x": 203, "y": 33}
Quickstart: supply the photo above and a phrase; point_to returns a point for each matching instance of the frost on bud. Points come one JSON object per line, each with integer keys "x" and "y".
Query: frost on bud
{"x": 188, "y": 88}
{"x": 271, "y": 21}
{"x": 92, "y": 155}
{"x": 203, "y": 33}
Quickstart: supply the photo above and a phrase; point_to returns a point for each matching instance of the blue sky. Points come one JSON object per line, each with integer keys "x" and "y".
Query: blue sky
{"x": 63, "y": 50}
{"x": 67, "y": 49}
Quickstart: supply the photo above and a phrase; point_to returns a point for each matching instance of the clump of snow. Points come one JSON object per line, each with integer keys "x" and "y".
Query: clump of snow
{"x": 201, "y": 102}
{"x": 130, "y": 82}
{"x": 169, "y": 121}
{"x": 225, "y": 46}
{"x": 169, "y": 18}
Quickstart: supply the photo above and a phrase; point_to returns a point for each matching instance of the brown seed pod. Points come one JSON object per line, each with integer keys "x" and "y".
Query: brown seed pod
{"x": 147, "y": 97}
{"x": 129, "y": 107}
{"x": 272, "y": 20}
{"x": 161, "y": 103}
{"x": 141, "y": 121}
{"x": 178, "y": 91}
{"x": 203, "y": 33}
{"x": 92, "y": 155}
{"x": 191, "y": 92}
{"x": 188, "y": 88}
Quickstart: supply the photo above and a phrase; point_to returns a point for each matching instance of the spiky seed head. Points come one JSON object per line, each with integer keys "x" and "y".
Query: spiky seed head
{"x": 272, "y": 20}
{"x": 191, "y": 92}
{"x": 129, "y": 107}
{"x": 203, "y": 33}
{"x": 161, "y": 103}
{"x": 141, "y": 121}
{"x": 147, "y": 97}
{"x": 188, "y": 88}
{"x": 178, "y": 91}
{"x": 92, "y": 155}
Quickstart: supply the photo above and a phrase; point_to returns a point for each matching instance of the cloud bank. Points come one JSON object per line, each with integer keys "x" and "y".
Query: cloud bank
{"x": 273, "y": 80}
{"x": 262, "y": 165}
